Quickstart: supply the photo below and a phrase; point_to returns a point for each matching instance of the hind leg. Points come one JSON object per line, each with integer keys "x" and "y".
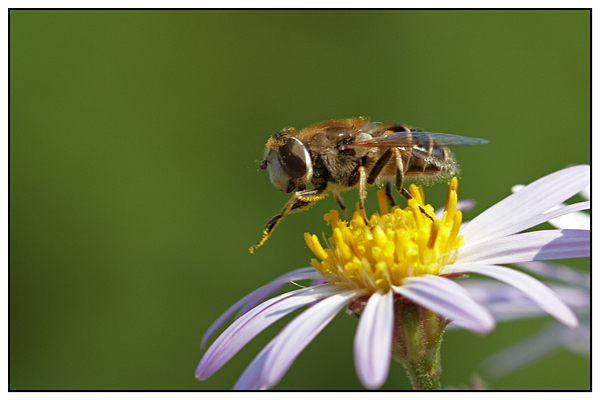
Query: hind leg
{"x": 400, "y": 181}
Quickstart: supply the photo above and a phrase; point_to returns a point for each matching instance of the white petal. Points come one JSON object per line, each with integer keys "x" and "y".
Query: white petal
{"x": 373, "y": 340}
{"x": 259, "y": 295}
{"x": 447, "y": 299}
{"x": 576, "y": 220}
{"x": 299, "y": 333}
{"x": 530, "y": 246}
{"x": 534, "y": 199}
{"x": 585, "y": 192}
{"x": 245, "y": 328}
{"x": 516, "y": 188}
{"x": 534, "y": 289}
{"x": 563, "y": 212}
{"x": 570, "y": 221}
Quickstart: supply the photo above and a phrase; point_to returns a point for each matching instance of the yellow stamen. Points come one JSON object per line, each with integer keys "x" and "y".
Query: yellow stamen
{"x": 455, "y": 227}
{"x": 412, "y": 204}
{"x": 382, "y": 200}
{"x": 394, "y": 245}
{"x": 417, "y": 194}
{"x": 435, "y": 228}
{"x": 452, "y": 198}
{"x": 315, "y": 246}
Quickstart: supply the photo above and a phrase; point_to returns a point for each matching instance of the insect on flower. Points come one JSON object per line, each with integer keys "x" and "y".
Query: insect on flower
{"x": 399, "y": 272}
{"x": 353, "y": 153}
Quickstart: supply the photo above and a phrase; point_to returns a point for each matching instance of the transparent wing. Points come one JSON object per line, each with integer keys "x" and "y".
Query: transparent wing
{"x": 423, "y": 139}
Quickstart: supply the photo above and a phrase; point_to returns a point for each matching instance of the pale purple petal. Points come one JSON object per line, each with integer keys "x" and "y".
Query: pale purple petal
{"x": 259, "y": 295}
{"x": 447, "y": 299}
{"x": 558, "y": 272}
{"x": 535, "y": 198}
{"x": 251, "y": 377}
{"x": 502, "y": 312}
{"x": 373, "y": 340}
{"x": 576, "y": 298}
{"x": 245, "y": 328}
{"x": 534, "y": 289}
{"x": 580, "y": 341}
{"x": 530, "y": 350}
{"x": 524, "y": 307}
{"x": 265, "y": 291}
{"x": 507, "y": 303}
{"x": 528, "y": 246}
{"x": 299, "y": 333}
{"x": 504, "y": 302}
{"x": 522, "y": 225}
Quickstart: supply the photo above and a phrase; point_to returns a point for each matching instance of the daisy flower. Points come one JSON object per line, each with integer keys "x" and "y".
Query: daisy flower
{"x": 396, "y": 272}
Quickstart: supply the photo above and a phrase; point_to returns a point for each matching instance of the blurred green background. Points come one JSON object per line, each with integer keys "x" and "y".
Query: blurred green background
{"x": 135, "y": 192}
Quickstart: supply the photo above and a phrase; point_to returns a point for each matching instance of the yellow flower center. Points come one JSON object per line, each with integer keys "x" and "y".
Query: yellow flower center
{"x": 392, "y": 246}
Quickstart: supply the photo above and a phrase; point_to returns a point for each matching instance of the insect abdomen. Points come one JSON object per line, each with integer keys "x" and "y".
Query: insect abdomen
{"x": 429, "y": 162}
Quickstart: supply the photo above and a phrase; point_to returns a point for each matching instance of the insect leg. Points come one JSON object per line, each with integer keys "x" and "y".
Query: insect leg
{"x": 362, "y": 192}
{"x": 376, "y": 170}
{"x": 299, "y": 201}
{"x": 400, "y": 180}
{"x": 388, "y": 194}
{"x": 378, "y": 167}
{"x": 339, "y": 200}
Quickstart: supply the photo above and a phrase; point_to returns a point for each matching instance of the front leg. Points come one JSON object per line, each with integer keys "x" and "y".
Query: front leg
{"x": 298, "y": 202}
{"x": 340, "y": 202}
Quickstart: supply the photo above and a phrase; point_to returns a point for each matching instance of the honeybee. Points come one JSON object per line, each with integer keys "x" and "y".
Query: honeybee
{"x": 353, "y": 153}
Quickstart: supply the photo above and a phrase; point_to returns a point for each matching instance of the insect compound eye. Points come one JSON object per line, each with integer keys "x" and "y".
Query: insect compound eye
{"x": 263, "y": 164}
{"x": 294, "y": 158}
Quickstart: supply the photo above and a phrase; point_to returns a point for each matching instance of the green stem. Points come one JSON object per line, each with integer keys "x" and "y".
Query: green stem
{"x": 425, "y": 373}
{"x": 417, "y": 344}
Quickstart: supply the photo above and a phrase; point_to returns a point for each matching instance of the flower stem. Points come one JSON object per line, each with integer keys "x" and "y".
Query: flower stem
{"x": 425, "y": 373}
{"x": 417, "y": 344}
